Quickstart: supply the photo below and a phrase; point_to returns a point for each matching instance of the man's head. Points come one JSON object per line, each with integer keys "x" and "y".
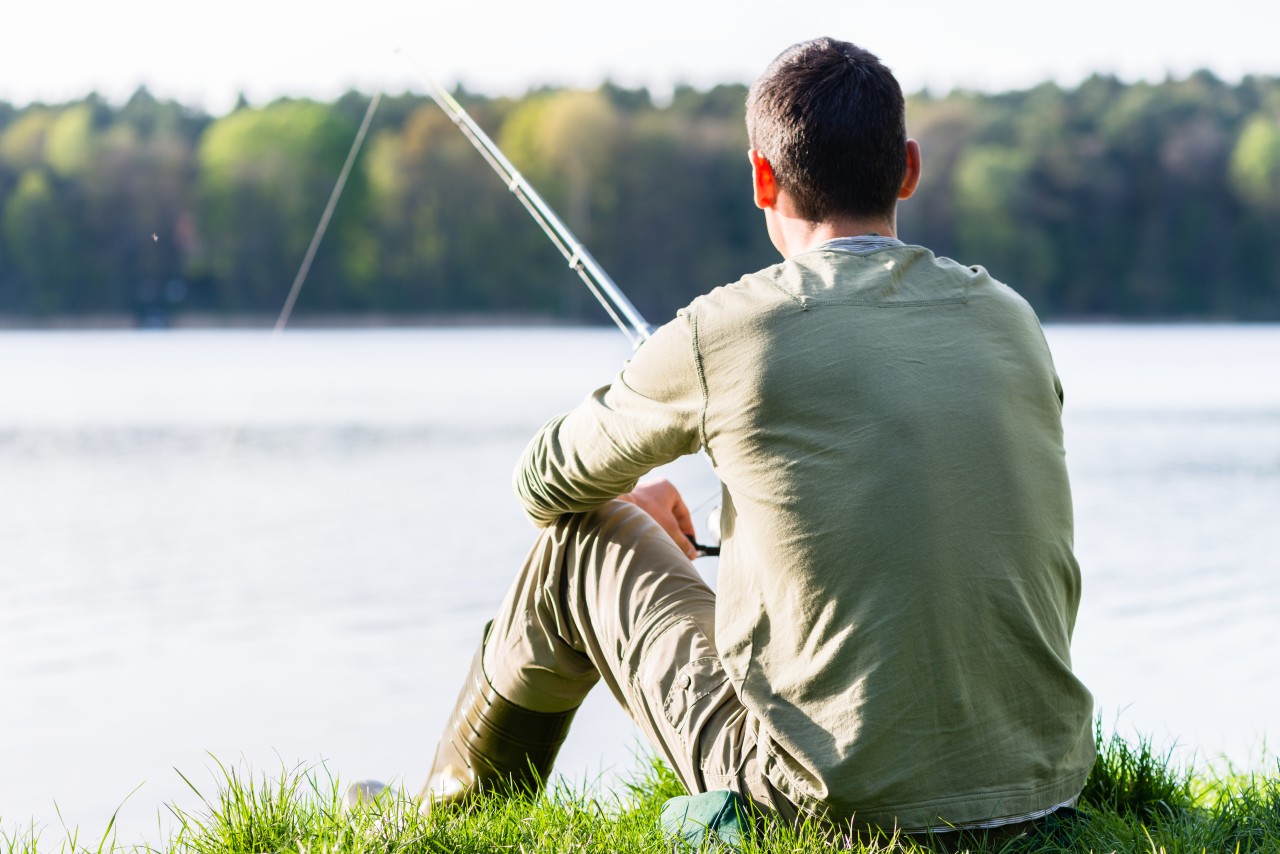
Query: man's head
{"x": 830, "y": 120}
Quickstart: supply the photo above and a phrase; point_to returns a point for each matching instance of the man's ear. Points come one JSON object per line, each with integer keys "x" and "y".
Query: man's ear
{"x": 910, "y": 178}
{"x": 764, "y": 185}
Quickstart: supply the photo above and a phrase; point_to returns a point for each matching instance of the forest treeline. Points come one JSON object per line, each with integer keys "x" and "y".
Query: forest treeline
{"x": 1107, "y": 200}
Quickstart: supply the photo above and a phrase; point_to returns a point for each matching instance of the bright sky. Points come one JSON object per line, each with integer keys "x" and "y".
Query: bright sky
{"x": 204, "y": 53}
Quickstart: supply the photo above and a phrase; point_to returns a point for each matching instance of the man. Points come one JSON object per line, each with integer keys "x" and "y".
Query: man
{"x": 889, "y": 646}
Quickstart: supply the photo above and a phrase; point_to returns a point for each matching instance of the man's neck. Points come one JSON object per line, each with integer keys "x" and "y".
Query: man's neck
{"x": 792, "y": 235}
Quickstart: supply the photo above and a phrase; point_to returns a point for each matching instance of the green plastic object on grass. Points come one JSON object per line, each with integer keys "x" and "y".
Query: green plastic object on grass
{"x": 721, "y": 817}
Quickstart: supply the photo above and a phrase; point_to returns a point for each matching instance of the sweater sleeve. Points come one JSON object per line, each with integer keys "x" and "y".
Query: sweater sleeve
{"x": 648, "y": 416}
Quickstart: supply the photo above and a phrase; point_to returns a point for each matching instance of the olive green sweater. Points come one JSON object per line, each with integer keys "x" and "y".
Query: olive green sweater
{"x": 897, "y": 589}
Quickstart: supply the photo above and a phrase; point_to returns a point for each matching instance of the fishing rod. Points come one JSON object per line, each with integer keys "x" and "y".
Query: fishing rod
{"x": 615, "y": 302}
{"x": 601, "y": 284}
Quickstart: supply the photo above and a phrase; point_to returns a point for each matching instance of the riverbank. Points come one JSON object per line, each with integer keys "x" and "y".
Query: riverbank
{"x": 1137, "y": 800}
{"x": 302, "y": 320}
{"x": 463, "y": 320}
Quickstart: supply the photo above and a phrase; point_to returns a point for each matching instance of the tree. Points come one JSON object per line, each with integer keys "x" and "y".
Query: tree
{"x": 69, "y": 141}
{"x": 22, "y": 143}
{"x": 41, "y": 250}
{"x": 1255, "y": 163}
{"x": 265, "y": 176}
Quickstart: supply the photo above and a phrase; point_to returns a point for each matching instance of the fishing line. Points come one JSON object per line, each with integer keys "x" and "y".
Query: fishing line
{"x": 305, "y": 267}
{"x": 309, "y": 256}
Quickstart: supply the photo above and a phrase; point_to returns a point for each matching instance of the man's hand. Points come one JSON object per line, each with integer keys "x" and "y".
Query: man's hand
{"x": 660, "y": 499}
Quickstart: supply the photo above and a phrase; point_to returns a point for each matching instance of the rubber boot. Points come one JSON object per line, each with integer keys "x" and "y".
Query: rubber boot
{"x": 492, "y": 744}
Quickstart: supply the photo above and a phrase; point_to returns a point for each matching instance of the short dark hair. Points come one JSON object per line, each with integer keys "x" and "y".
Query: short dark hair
{"x": 830, "y": 119}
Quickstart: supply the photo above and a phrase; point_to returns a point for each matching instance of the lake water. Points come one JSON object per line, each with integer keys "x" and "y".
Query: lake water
{"x": 279, "y": 551}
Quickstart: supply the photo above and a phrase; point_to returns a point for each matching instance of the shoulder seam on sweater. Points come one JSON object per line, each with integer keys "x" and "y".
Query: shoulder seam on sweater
{"x": 702, "y": 380}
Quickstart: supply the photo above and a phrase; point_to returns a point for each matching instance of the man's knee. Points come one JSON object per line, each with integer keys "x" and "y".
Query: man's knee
{"x": 616, "y": 521}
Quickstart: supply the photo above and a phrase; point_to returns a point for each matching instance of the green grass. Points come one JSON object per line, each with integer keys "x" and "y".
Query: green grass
{"x": 1137, "y": 800}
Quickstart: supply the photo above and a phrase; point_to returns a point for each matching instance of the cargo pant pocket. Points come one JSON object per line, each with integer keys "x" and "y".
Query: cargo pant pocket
{"x": 679, "y": 687}
{"x": 696, "y": 689}
{"x": 679, "y": 672}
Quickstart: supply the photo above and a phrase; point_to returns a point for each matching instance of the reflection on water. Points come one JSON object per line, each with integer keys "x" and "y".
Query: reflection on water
{"x": 313, "y": 592}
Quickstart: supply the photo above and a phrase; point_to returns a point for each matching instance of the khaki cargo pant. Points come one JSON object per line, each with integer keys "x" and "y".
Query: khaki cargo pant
{"x": 607, "y": 595}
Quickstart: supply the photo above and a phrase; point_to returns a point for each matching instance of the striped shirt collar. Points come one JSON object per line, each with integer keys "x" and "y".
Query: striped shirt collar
{"x": 861, "y": 243}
